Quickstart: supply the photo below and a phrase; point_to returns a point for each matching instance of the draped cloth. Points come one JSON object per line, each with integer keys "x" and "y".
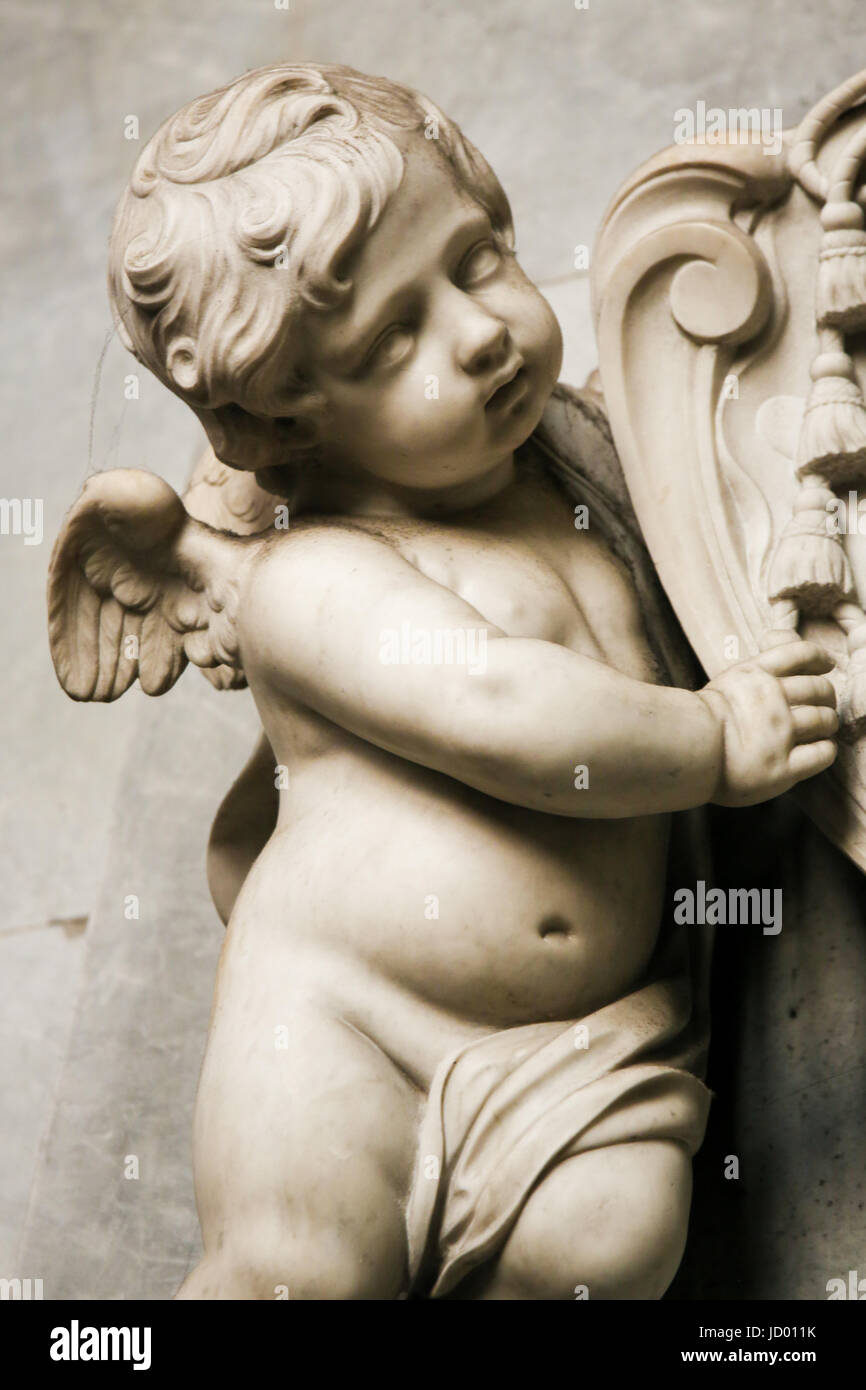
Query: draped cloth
{"x": 505, "y": 1108}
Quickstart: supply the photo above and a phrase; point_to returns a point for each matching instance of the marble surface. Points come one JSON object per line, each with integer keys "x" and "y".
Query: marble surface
{"x": 788, "y": 1065}
{"x": 127, "y": 1081}
{"x": 104, "y": 1021}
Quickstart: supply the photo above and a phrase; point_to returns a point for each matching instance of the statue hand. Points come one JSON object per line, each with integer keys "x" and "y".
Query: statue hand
{"x": 777, "y": 713}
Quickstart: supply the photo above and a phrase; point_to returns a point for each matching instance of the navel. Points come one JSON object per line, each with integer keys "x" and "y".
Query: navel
{"x": 555, "y": 927}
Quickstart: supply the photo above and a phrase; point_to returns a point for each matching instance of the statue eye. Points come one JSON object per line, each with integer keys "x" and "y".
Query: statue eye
{"x": 391, "y": 347}
{"x": 482, "y": 261}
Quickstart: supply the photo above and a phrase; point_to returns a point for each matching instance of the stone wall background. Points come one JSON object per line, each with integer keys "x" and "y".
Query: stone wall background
{"x": 102, "y": 1020}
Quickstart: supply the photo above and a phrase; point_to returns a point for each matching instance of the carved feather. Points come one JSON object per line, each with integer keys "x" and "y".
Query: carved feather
{"x": 130, "y": 595}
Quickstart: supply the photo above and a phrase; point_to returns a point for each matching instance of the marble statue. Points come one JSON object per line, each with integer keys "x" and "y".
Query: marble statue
{"x": 458, "y": 1038}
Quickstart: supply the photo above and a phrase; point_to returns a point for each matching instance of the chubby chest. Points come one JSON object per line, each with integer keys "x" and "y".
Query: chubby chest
{"x": 545, "y": 581}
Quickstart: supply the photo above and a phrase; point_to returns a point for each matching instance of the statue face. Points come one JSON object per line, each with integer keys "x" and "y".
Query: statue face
{"x": 442, "y": 359}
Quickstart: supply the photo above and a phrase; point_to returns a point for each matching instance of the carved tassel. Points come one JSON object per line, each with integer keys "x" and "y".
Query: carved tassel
{"x": 832, "y": 444}
{"x": 832, "y": 438}
{"x": 810, "y": 566}
{"x": 852, "y": 705}
{"x": 841, "y": 286}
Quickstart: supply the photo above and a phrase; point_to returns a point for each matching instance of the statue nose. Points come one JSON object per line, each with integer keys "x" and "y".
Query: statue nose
{"x": 483, "y": 343}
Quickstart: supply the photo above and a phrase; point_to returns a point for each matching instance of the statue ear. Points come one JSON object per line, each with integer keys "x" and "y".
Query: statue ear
{"x": 252, "y": 442}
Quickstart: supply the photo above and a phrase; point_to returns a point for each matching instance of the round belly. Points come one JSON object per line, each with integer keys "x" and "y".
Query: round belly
{"x": 499, "y": 914}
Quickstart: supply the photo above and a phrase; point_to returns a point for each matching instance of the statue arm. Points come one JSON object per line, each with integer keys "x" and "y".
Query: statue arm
{"x": 514, "y": 726}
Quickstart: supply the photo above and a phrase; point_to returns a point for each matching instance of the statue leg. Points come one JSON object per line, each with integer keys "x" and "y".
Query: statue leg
{"x": 607, "y": 1224}
{"x": 303, "y": 1160}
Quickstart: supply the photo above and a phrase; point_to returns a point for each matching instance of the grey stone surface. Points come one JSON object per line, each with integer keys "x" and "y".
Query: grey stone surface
{"x": 42, "y": 969}
{"x": 128, "y": 1082}
{"x": 788, "y": 1064}
{"x": 564, "y": 103}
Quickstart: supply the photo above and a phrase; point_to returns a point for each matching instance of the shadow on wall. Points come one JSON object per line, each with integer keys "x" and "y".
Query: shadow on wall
{"x": 788, "y": 1071}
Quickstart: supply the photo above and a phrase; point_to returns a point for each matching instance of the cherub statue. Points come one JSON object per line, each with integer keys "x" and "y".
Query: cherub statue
{"x": 455, "y": 1048}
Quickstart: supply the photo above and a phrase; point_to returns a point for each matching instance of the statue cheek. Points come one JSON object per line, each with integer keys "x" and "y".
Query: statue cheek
{"x": 554, "y": 340}
{"x": 535, "y": 327}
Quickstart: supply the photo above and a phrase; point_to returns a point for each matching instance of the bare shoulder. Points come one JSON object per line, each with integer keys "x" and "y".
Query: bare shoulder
{"x": 314, "y": 600}
{"x": 314, "y": 556}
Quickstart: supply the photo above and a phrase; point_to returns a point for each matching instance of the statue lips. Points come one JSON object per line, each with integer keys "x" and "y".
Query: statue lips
{"x": 509, "y": 391}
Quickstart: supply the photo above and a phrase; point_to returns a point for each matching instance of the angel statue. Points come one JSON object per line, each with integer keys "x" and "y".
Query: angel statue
{"x": 459, "y": 1034}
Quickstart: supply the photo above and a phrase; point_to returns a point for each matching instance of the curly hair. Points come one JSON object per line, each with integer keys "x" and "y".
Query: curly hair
{"x": 240, "y": 214}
